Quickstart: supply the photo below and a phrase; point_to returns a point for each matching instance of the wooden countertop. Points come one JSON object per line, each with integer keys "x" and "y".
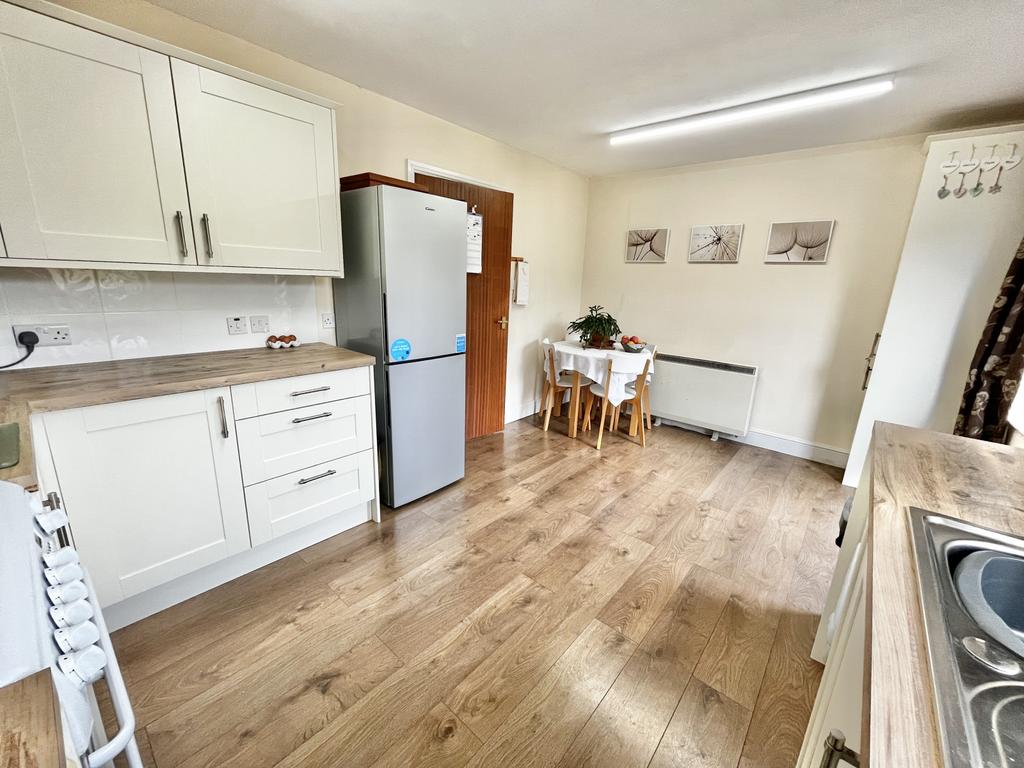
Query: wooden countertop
{"x": 58, "y": 388}
{"x": 976, "y": 481}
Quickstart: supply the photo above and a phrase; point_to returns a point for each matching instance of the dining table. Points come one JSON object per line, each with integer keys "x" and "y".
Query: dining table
{"x": 589, "y": 364}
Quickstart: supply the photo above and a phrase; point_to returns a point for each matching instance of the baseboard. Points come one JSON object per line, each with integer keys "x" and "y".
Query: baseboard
{"x": 791, "y": 446}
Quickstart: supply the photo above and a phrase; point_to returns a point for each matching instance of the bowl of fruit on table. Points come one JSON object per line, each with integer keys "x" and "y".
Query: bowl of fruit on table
{"x": 632, "y": 344}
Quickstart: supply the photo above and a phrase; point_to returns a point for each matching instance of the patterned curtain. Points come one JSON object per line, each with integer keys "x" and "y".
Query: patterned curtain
{"x": 998, "y": 362}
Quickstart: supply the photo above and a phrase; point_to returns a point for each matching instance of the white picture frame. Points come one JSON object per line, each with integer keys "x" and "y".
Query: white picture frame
{"x": 715, "y": 244}
{"x": 647, "y": 246}
{"x": 799, "y": 242}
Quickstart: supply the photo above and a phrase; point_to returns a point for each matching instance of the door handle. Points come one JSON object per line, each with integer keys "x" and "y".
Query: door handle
{"x": 205, "y": 220}
{"x": 870, "y": 360}
{"x": 503, "y": 323}
{"x": 301, "y": 419}
{"x": 224, "y": 432}
{"x": 179, "y": 219}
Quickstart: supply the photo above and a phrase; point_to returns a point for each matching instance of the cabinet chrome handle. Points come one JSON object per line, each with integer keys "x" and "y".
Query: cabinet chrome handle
{"x": 321, "y": 476}
{"x": 301, "y": 419}
{"x": 836, "y": 751}
{"x": 309, "y": 391}
{"x": 179, "y": 219}
{"x": 224, "y": 432}
{"x": 205, "y": 220}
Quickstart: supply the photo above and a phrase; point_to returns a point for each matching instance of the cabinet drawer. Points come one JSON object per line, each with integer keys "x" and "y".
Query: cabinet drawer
{"x": 298, "y": 391}
{"x": 279, "y": 443}
{"x": 287, "y": 503}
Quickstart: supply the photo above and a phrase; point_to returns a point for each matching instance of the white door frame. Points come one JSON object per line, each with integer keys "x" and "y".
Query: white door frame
{"x": 412, "y": 167}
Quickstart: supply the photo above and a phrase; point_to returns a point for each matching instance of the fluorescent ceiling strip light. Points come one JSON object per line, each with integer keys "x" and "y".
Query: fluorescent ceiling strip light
{"x": 757, "y": 110}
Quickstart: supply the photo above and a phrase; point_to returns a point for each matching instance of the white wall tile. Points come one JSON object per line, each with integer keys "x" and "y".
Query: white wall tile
{"x": 50, "y": 291}
{"x": 136, "y": 291}
{"x": 88, "y": 339}
{"x": 144, "y": 334}
{"x": 117, "y": 315}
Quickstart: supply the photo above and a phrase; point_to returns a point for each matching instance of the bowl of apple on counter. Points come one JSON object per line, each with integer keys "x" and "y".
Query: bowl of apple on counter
{"x": 632, "y": 344}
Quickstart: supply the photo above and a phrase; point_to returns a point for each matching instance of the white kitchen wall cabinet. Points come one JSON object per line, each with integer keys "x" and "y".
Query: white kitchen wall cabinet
{"x": 261, "y": 172}
{"x": 90, "y": 160}
{"x": 153, "y": 487}
{"x": 96, "y": 136}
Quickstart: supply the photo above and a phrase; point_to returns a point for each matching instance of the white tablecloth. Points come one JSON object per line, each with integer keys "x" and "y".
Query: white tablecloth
{"x": 593, "y": 363}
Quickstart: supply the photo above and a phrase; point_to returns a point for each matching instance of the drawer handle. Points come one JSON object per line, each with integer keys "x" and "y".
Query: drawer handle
{"x": 301, "y": 419}
{"x": 321, "y": 476}
{"x": 309, "y": 391}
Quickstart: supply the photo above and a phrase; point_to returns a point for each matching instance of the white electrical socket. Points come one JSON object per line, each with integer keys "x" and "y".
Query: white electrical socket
{"x": 237, "y": 325}
{"x": 327, "y": 319}
{"x": 49, "y": 335}
{"x": 259, "y": 323}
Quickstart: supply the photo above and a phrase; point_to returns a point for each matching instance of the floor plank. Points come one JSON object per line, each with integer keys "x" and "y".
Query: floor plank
{"x": 707, "y": 731}
{"x": 540, "y": 729}
{"x": 559, "y": 606}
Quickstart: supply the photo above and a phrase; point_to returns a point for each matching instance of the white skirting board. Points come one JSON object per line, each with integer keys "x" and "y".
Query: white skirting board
{"x": 154, "y": 600}
{"x": 791, "y": 446}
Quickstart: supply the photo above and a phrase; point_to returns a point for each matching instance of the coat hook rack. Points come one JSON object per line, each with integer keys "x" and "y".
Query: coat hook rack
{"x": 995, "y": 161}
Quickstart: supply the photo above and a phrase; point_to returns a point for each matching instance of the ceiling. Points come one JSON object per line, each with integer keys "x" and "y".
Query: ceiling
{"x": 554, "y": 77}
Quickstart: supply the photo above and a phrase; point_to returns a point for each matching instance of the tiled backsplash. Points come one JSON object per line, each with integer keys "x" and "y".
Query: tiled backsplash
{"x": 118, "y": 315}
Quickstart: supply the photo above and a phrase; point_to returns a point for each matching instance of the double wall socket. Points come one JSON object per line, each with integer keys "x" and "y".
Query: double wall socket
{"x": 49, "y": 335}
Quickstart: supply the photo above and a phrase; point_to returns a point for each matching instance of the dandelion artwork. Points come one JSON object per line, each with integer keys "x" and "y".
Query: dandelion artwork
{"x": 799, "y": 242}
{"x": 716, "y": 244}
{"x": 646, "y": 246}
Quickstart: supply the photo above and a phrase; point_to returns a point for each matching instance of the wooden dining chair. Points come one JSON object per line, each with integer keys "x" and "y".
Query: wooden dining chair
{"x": 639, "y": 401}
{"x": 556, "y": 383}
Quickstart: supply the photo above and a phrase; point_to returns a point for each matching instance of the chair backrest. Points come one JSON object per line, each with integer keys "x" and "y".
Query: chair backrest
{"x": 542, "y": 348}
{"x": 641, "y": 380}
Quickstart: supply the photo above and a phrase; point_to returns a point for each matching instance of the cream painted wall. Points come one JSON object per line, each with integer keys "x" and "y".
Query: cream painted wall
{"x": 378, "y": 134}
{"x": 807, "y": 326}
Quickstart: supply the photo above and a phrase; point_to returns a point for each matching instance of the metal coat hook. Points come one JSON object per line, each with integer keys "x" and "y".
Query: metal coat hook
{"x": 472, "y": 209}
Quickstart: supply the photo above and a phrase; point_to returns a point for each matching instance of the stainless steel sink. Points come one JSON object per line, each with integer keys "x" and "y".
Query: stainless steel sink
{"x": 972, "y": 594}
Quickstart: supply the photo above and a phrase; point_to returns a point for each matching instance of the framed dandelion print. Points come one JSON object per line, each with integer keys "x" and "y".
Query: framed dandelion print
{"x": 646, "y": 246}
{"x": 715, "y": 244}
{"x": 799, "y": 242}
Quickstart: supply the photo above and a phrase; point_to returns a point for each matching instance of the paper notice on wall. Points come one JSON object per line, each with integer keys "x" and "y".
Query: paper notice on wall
{"x": 474, "y": 243}
{"x": 521, "y": 281}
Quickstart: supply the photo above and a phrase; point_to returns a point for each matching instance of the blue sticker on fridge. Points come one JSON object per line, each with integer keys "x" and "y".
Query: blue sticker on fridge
{"x": 460, "y": 342}
{"x": 401, "y": 349}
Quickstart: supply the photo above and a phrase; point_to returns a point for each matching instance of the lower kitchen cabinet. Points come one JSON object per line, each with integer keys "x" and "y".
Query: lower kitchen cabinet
{"x": 159, "y": 506}
{"x": 152, "y": 487}
{"x": 287, "y": 503}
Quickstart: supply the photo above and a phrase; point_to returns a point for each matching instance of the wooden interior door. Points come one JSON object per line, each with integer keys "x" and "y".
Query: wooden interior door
{"x": 487, "y": 304}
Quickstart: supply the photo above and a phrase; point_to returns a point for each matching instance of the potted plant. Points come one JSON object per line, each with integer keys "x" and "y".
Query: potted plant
{"x": 597, "y": 328}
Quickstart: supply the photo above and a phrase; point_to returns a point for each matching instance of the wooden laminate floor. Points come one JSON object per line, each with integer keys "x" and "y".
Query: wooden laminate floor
{"x": 558, "y": 607}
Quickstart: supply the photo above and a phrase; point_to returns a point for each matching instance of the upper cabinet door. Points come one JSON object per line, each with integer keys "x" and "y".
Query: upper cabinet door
{"x": 261, "y": 171}
{"x": 90, "y": 159}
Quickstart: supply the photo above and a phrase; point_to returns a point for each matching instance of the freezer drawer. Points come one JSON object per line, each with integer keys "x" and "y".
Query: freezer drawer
{"x": 298, "y": 391}
{"x": 287, "y": 503}
{"x": 426, "y": 440}
{"x": 279, "y": 443}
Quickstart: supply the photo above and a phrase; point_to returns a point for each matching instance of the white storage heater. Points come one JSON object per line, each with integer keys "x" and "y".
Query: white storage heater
{"x": 704, "y": 393}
